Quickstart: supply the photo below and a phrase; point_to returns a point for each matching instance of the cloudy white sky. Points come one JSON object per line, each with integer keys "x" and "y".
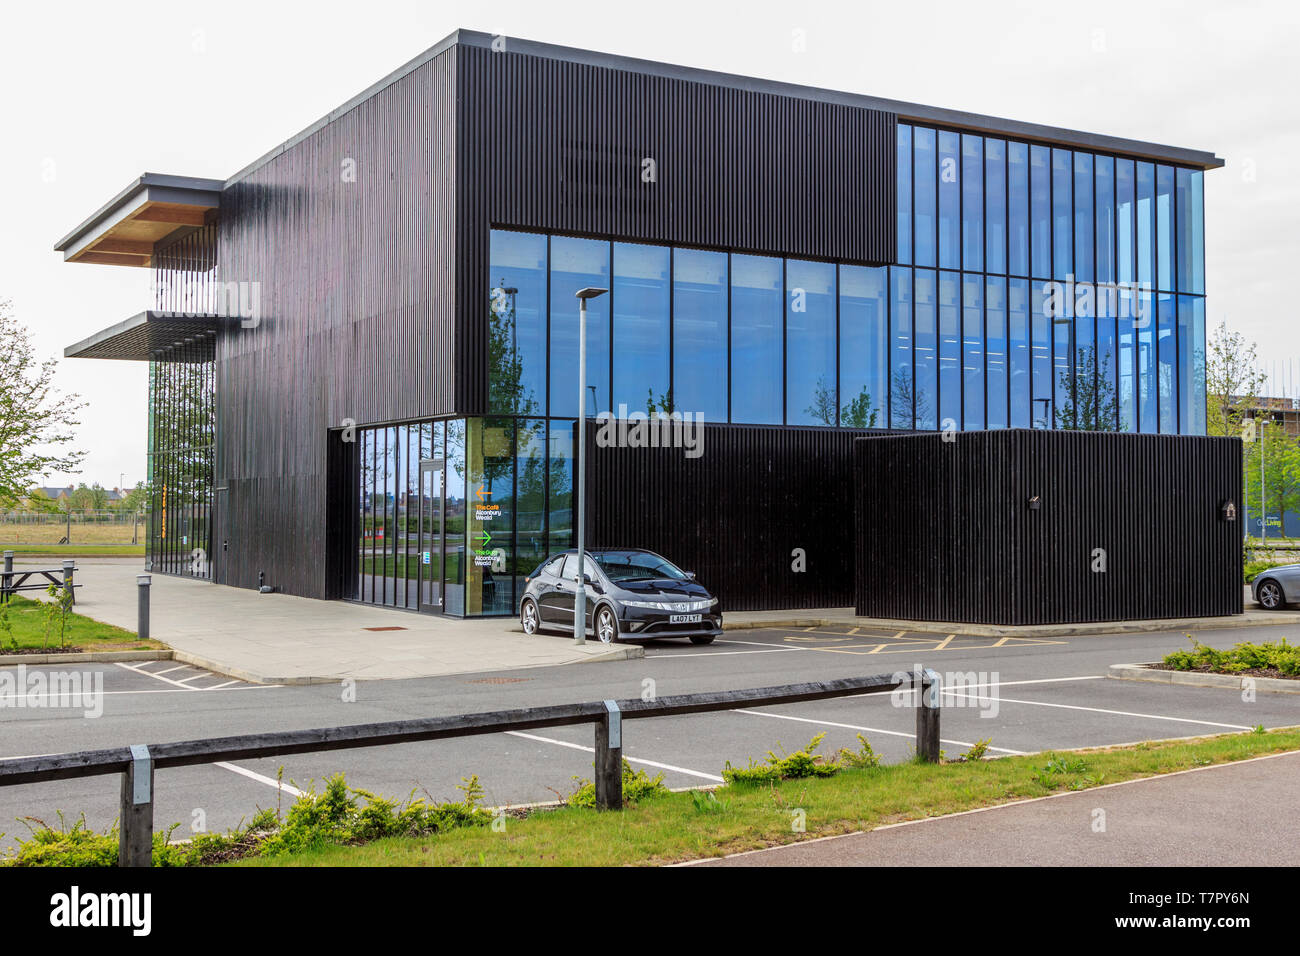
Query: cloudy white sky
{"x": 96, "y": 93}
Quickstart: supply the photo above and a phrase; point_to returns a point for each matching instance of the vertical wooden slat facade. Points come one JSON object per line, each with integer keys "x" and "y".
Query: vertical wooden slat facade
{"x": 736, "y": 514}
{"x": 946, "y": 532}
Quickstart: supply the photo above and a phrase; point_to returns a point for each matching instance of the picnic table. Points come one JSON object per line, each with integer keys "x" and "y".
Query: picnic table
{"x": 36, "y": 579}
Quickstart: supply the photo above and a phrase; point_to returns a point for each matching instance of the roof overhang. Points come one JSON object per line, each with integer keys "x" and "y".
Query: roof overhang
{"x": 153, "y": 209}
{"x": 155, "y": 336}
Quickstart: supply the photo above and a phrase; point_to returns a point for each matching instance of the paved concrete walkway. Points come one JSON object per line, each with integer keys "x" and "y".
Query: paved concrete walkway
{"x": 277, "y": 638}
{"x": 1237, "y": 814}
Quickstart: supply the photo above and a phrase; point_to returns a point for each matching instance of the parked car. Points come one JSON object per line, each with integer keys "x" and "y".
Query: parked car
{"x": 1275, "y": 588}
{"x": 632, "y": 594}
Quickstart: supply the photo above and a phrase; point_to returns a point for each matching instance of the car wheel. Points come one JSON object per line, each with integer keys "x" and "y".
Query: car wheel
{"x": 606, "y": 625}
{"x": 528, "y": 616}
{"x": 702, "y": 639}
{"x": 1270, "y": 596}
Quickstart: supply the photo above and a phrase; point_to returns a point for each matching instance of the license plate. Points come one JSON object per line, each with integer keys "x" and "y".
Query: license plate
{"x": 684, "y": 619}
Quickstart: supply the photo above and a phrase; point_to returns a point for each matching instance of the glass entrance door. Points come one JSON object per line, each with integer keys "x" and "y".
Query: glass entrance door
{"x": 431, "y": 534}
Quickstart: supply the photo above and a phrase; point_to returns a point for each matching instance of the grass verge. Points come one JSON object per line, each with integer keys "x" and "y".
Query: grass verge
{"x": 78, "y": 550}
{"x": 27, "y": 631}
{"x": 674, "y": 827}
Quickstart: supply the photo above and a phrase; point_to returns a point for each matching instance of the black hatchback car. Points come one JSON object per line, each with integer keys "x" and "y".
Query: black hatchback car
{"x": 632, "y": 594}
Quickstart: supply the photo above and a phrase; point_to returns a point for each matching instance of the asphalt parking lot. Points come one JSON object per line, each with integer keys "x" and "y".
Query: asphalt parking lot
{"x": 1027, "y": 695}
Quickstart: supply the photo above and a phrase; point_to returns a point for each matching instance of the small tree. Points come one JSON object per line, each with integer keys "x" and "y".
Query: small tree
{"x": 36, "y": 421}
{"x": 1232, "y": 381}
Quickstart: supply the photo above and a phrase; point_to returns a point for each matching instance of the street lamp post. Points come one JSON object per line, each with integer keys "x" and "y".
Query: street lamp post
{"x": 580, "y": 599}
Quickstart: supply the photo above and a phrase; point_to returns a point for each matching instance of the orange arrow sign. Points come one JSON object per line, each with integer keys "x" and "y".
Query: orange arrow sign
{"x": 480, "y": 493}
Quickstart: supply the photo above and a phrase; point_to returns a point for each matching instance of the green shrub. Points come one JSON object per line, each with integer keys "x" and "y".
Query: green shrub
{"x": 637, "y": 785}
{"x": 1252, "y": 569}
{"x": 802, "y": 763}
{"x": 1274, "y": 655}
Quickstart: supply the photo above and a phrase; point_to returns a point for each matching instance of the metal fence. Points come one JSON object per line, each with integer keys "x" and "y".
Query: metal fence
{"x": 137, "y": 764}
{"x": 72, "y": 527}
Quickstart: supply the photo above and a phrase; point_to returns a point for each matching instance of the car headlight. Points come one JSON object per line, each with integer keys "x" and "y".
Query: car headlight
{"x": 677, "y": 606}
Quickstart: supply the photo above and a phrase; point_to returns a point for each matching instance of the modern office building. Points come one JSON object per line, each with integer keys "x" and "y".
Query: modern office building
{"x": 363, "y": 346}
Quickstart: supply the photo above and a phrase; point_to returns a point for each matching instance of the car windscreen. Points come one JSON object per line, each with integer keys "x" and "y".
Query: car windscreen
{"x": 637, "y": 566}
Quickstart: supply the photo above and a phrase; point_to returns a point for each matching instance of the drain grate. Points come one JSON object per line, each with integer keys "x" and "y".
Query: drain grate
{"x": 390, "y": 628}
{"x": 500, "y": 680}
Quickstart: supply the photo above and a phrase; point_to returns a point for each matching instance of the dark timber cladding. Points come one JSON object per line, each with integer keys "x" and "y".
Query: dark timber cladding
{"x": 349, "y": 233}
{"x": 552, "y": 145}
{"x": 1004, "y": 527}
{"x": 736, "y": 514}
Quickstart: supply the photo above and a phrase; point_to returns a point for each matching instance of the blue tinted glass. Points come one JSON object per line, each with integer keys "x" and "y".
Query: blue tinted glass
{"x": 900, "y": 348}
{"x": 576, "y": 264}
{"x": 811, "y": 395}
{"x": 1165, "y": 227}
{"x": 1083, "y": 217}
{"x": 972, "y": 203}
{"x": 1167, "y": 359}
{"x": 1126, "y": 371}
{"x": 995, "y": 351}
{"x": 1018, "y": 209}
{"x": 756, "y": 317}
{"x": 1191, "y": 364}
{"x": 1040, "y": 211}
{"x": 1019, "y": 355}
{"x": 904, "y": 193}
{"x": 924, "y": 191}
{"x": 700, "y": 333}
{"x": 1082, "y": 410}
{"x": 517, "y": 323}
{"x": 1124, "y": 220}
{"x": 972, "y": 350}
{"x": 1105, "y": 219}
{"x": 864, "y": 346}
{"x": 1146, "y": 225}
{"x": 1107, "y": 355}
{"x": 1062, "y": 332}
{"x": 925, "y": 310}
{"x": 1186, "y": 226}
{"x": 995, "y": 205}
{"x": 1062, "y": 214}
{"x": 641, "y": 327}
{"x": 949, "y": 349}
{"x": 1196, "y": 233}
{"x": 949, "y": 200}
{"x": 1044, "y": 385}
{"x": 1144, "y": 325}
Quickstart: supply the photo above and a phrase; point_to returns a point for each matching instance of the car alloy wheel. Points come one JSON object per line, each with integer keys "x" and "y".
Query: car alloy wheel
{"x": 1270, "y": 595}
{"x": 606, "y": 626}
{"x": 528, "y": 617}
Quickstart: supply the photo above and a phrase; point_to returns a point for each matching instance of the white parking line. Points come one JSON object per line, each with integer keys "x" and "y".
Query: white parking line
{"x": 179, "y": 667}
{"x": 1101, "y": 710}
{"x": 165, "y": 680}
{"x": 870, "y": 730}
{"x": 252, "y": 775}
{"x": 591, "y": 750}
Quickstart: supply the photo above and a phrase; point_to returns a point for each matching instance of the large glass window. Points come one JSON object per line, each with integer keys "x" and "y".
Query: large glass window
{"x": 972, "y": 348}
{"x": 641, "y": 302}
{"x": 950, "y": 350}
{"x": 1167, "y": 357}
{"x": 700, "y": 333}
{"x": 1165, "y": 227}
{"x": 1105, "y": 219}
{"x": 1191, "y": 364}
{"x": 1018, "y": 209}
{"x": 1020, "y": 354}
{"x": 1146, "y": 225}
{"x": 972, "y": 203}
{"x": 904, "y": 200}
{"x": 927, "y": 349}
{"x": 1044, "y": 384}
{"x": 1125, "y": 221}
{"x": 757, "y": 313}
{"x": 1083, "y": 218}
{"x": 578, "y": 264}
{"x": 1040, "y": 210}
{"x": 995, "y": 205}
{"x": 1062, "y": 214}
{"x": 1127, "y": 372}
{"x": 864, "y": 347}
{"x": 901, "y": 378}
{"x": 995, "y": 325}
{"x": 1107, "y": 367}
{"x": 1147, "y": 386}
{"x": 811, "y": 395}
{"x": 517, "y": 323}
{"x": 925, "y": 193}
{"x": 1187, "y": 217}
{"x": 949, "y": 200}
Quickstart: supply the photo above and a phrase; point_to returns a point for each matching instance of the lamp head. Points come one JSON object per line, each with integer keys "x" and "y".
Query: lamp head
{"x": 589, "y": 293}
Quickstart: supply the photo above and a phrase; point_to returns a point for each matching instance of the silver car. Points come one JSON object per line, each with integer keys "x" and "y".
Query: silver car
{"x": 1275, "y": 588}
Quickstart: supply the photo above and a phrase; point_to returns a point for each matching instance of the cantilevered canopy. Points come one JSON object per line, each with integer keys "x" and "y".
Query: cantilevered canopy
{"x": 152, "y": 209}
{"x": 162, "y": 336}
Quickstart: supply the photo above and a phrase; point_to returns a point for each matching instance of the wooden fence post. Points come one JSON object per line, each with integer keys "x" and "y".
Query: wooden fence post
{"x": 929, "y": 692}
{"x": 135, "y": 823}
{"x": 609, "y": 758}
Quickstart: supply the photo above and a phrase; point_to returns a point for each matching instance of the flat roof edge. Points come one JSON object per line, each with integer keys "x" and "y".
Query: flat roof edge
{"x": 181, "y": 184}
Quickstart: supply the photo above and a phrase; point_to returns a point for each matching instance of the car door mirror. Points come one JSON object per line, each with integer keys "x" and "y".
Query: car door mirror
{"x": 691, "y": 575}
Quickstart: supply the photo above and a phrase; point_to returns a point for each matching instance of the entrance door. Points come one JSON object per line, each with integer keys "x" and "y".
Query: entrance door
{"x": 431, "y": 534}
